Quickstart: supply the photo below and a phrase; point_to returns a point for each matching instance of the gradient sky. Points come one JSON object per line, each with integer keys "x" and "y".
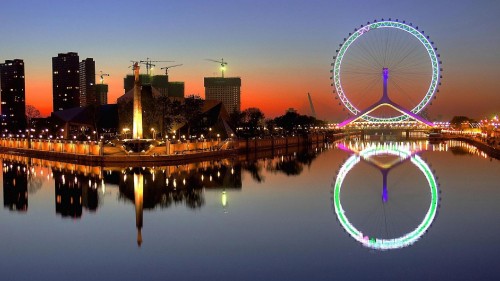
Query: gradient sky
{"x": 281, "y": 49}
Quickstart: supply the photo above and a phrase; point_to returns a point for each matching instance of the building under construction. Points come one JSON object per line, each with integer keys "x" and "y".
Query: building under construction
{"x": 159, "y": 82}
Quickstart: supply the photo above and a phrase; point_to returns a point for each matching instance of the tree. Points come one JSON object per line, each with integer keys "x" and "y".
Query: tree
{"x": 294, "y": 122}
{"x": 248, "y": 122}
{"x": 253, "y": 120}
{"x": 236, "y": 119}
{"x": 192, "y": 110}
{"x": 31, "y": 112}
{"x": 457, "y": 121}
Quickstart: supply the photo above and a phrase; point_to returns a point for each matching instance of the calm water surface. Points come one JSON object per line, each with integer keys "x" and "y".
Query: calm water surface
{"x": 353, "y": 211}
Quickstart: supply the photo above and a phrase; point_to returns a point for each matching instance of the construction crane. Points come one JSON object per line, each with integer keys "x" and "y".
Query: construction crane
{"x": 135, "y": 67}
{"x": 170, "y": 66}
{"x": 222, "y": 65}
{"x": 149, "y": 63}
{"x": 311, "y": 104}
{"x": 102, "y": 76}
{"x": 134, "y": 64}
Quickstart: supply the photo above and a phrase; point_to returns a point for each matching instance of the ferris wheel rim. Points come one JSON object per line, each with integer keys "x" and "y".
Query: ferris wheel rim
{"x": 427, "y": 44}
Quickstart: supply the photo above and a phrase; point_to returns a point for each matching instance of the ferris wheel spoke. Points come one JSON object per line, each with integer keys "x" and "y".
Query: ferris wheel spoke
{"x": 402, "y": 91}
{"x": 372, "y": 55}
{"x": 365, "y": 60}
{"x": 407, "y": 73}
{"x": 413, "y": 65}
{"x": 369, "y": 86}
{"x": 403, "y": 58}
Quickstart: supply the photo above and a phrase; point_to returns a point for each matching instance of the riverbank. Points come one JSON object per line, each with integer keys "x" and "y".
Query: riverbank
{"x": 488, "y": 149}
{"x": 123, "y": 160}
{"x": 94, "y": 154}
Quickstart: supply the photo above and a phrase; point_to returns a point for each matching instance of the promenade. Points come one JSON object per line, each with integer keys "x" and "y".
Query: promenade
{"x": 114, "y": 154}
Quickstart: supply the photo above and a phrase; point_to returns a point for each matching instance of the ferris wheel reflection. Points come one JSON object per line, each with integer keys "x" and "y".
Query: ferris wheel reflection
{"x": 402, "y": 153}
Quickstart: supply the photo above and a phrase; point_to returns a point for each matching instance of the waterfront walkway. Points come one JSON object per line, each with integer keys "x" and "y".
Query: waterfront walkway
{"x": 97, "y": 154}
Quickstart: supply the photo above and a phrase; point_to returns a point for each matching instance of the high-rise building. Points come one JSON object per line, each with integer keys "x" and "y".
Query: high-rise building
{"x": 87, "y": 83}
{"x": 101, "y": 92}
{"x": 226, "y": 90}
{"x": 13, "y": 95}
{"x": 65, "y": 81}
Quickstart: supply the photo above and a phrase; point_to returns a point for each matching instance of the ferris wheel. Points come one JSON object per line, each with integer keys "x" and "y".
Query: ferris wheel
{"x": 379, "y": 50}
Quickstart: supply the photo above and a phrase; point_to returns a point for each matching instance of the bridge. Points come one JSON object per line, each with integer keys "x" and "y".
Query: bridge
{"x": 377, "y": 130}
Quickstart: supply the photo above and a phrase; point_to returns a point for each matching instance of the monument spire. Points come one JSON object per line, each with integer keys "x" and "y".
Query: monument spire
{"x": 137, "y": 122}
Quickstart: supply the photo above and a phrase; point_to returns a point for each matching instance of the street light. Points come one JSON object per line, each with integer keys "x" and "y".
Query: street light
{"x": 125, "y": 132}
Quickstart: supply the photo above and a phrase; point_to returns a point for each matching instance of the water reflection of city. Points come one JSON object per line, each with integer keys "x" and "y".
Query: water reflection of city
{"x": 79, "y": 187}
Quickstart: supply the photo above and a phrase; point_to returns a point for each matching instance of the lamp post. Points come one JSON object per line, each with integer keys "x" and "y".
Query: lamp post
{"x": 125, "y": 132}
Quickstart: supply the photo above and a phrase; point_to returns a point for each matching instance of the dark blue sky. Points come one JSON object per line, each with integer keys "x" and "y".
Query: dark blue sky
{"x": 281, "y": 49}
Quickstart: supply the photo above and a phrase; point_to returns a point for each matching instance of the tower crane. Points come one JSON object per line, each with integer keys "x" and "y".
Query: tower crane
{"x": 149, "y": 63}
{"x": 134, "y": 64}
{"x": 170, "y": 66}
{"x": 102, "y": 76}
{"x": 222, "y": 65}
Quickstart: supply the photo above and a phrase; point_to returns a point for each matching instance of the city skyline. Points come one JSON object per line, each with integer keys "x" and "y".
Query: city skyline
{"x": 281, "y": 50}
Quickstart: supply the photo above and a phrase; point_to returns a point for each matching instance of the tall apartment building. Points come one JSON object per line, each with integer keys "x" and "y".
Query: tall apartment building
{"x": 12, "y": 92}
{"x": 65, "y": 81}
{"x": 101, "y": 92}
{"x": 226, "y": 90}
{"x": 87, "y": 83}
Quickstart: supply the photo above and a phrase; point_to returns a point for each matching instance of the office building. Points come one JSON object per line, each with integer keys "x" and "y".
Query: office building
{"x": 226, "y": 90}
{"x": 87, "y": 83}
{"x": 12, "y": 94}
{"x": 65, "y": 81}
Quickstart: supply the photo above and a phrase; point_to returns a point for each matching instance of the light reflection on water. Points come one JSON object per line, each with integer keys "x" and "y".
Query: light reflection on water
{"x": 269, "y": 216}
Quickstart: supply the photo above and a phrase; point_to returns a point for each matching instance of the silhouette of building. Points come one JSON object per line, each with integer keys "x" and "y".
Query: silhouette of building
{"x": 15, "y": 187}
{"x": 87, "y": 83}
{"x": 68, "y": 194}
{"x": 101, "y": 93}
{"x": 13, "y": 95}
{"x": 65, "y": 81}
{"x": 226, "y": 90}
{"x": 159, "y": 82}
{"x": 176, "y": 90}
{"x": 84, "y": 120}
